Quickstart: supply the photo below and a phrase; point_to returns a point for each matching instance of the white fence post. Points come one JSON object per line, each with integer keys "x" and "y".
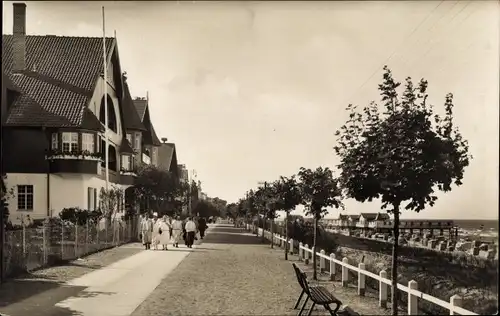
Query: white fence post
{"x": 383, "y": 290}
{"x": 322, "y": 262}
{"x": 306, "y": 254}
{"x": 291, "y": 246}
{"x": 455, "y": 300}
{"x": 361, "y": 280}
{"x": 345, "y": 272}
{"x": 301, "y": 252}
{"x": 76, "y": 241}
{"x": 332, "y": 267}
{"x": 412, "y": 299}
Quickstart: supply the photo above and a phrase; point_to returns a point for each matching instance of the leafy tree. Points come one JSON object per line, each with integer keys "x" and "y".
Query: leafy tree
{"x": 110, "y": 201}
{"x": 319, "y": 190}
{"x": 6, "y": 194}
{"x": 263, "y": 196}
{"x": 288, "y": 196}
{"x": 401, "y": 155}
{"x": 205, "y": 209}
{"x": 232, "y": 211}
{"x": 158, "y": 186}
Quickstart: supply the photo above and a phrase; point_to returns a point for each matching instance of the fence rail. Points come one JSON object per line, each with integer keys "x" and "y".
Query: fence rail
{"x": 28, "y": 249}
{"x": 305, "y": 253}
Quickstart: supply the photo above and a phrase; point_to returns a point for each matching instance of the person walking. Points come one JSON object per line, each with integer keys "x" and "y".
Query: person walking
{"x": 177, "y": 231}
{"x": 164, "y": 232}
{"x": 202, "y": 226}
{"x": 190, "y": 232}
{"x": 156, "y": 231}
{"x": 146, "y": 231}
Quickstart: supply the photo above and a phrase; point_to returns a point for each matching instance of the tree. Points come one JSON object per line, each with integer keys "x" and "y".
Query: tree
{"x": 319, "y": 190}
{"x": 159, "y": 187}
{"x": 262, "y": 197}
{"x": 205, "y": 209}
{"x": 232, "y": 211}
{"x": 401, "y": 155}
{"x": 110, "y": 201}
{"x": 288, "y": 195}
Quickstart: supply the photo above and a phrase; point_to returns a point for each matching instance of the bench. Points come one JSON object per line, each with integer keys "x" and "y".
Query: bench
{"x": 317, "y": 294}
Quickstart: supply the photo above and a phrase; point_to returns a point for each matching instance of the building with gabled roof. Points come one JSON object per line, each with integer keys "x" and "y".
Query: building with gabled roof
{"x": 167, "y": 158}
{"x": 150, "y": 141}
{"x": 53, "y": 133}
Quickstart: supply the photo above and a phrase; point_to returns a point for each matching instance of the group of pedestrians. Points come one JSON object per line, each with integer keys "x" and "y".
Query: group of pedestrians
{"x": 159, "y": 232}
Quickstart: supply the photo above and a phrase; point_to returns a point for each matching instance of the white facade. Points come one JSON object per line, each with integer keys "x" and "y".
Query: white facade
{"x": 66, "y": 190}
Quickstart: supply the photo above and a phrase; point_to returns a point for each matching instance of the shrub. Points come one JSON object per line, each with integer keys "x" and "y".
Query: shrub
{"x": 78, "y": 216}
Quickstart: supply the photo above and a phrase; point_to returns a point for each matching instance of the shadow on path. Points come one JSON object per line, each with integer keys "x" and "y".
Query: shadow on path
{"x": 228, "y": 234}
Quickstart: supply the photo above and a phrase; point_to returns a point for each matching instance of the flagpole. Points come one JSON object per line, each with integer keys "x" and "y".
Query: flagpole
{"x": 105, "y": 89}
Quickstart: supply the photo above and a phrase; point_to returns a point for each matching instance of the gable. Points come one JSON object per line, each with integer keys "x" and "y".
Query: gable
{"x": 60, "y": 76}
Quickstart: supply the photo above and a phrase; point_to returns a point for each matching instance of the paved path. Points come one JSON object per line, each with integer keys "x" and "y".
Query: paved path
{"x": 232, "y": 273}
{"x": 114, "y": 290}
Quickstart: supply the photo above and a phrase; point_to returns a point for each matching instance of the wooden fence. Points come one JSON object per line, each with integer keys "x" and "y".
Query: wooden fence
{"x": 414, "y": 295}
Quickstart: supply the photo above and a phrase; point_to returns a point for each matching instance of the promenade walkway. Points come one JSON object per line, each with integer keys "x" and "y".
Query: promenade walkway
{"x": 230, "y": 273}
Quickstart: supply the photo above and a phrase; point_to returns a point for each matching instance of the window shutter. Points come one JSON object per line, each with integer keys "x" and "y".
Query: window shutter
{"x": 95, "y": 198}
{"x": 89, "y": 199}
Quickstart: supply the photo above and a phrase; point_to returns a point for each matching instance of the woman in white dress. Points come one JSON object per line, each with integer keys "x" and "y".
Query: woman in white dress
{"x": 164, "y": 238}
{"x": 155, "y": 238}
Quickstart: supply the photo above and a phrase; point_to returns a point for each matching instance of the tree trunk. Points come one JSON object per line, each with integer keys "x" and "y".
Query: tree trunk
{"x": 272, "y": 232}
{"x": 286, "y": 236}
{"x": 315, "y": 275}
{"x": 395, "y": 246}
{"x": 263, "y": 228}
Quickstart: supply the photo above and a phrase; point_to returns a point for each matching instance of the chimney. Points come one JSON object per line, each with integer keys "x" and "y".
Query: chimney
{"x": 19, "y": 38}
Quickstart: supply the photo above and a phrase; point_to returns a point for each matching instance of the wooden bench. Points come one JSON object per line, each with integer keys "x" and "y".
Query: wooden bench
{"x": 317, "y": 294}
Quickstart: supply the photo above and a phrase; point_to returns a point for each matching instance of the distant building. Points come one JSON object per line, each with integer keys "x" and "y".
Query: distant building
{"x": 167, "y": 158}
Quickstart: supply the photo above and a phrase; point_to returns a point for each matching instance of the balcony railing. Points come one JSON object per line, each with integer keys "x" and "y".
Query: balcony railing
{"x": 75, "y": 155}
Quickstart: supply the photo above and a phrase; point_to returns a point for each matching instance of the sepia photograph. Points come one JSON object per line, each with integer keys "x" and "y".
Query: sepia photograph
{"x": 249, "y": 158}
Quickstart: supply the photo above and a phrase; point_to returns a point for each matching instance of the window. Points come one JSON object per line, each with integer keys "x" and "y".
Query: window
{"x": 91, "y": 203}
{"x": 154, "y": 159}
{"x": 69, "y": 142}
{"x": 88, "y": 142}
{"x": 55, "y": 141}
{"x": 126, "y": 165}
{"x": 25, "y": 197}
{"x": 137, "y": 142}
{"x": 129, "y": 138}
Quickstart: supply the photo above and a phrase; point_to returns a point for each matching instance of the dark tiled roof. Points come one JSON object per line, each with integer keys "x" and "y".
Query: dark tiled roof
{"x": 90, "y": 121}
{"x": 73, "y": 60}
{"x": 27, "y": 112}
{"x": 369, "y": 216}
{"x": 140, "y": 106}
{"x": 382, "y": 217}
{"x": 342, "y": 217}
{"x": 61, "y": 73}
{"x": 126, "y": 147}
{"x": 354, "y": 217}
{"x": 149, "y": 136}
{"x": 154, "y": 138}
{"x": 131, "y": 119}
{"x": 166, "y": 155}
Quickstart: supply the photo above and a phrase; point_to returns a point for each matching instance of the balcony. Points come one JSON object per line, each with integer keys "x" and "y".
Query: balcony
{"x": 73, "y": 161}
{"x": 127, "y": 177}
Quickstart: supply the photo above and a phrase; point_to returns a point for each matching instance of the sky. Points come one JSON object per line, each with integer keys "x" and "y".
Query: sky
{"x": 250, "y": 91}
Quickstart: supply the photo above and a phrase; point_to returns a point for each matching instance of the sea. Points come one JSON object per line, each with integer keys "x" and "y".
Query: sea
{"x": 486, "y": 225}
{"x": 484, "y": 230}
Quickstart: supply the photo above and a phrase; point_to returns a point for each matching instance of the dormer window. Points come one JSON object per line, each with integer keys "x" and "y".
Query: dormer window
{"x": 129, "y": 138}
{"x": 69, "y": 141}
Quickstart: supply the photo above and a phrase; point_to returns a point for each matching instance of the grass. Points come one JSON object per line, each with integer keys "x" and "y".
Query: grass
{"x": 438, "y": 274}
